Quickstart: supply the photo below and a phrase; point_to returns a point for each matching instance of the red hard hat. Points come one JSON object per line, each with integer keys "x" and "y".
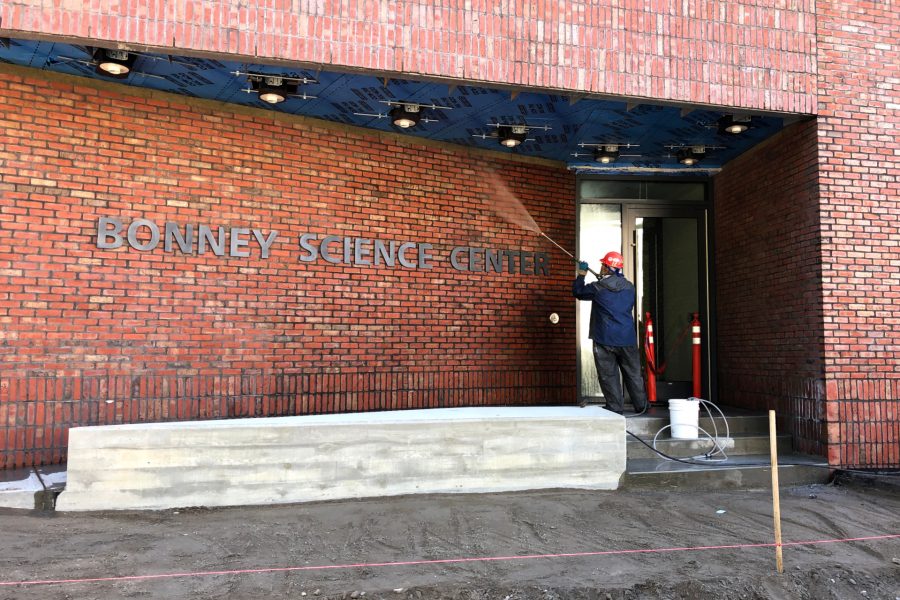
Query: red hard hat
{"x": 613, "y": 260}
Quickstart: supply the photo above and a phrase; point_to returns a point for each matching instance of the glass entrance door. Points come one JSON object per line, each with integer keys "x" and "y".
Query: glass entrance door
{"x": 666, "y": 259}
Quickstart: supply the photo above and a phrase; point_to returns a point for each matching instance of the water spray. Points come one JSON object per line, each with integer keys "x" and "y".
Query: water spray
{"x": 507, "y": 206}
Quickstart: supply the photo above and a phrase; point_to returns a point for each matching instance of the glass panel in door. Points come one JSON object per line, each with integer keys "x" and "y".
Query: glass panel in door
{"x": 600, "y": 230}
{"x": 665, "y": 265}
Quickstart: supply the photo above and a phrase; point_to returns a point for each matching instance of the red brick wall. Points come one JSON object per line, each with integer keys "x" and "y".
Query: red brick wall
{"x": 859, "y": 112}
{"x": 73, "y": 153}
{"x": 845, "y": 401}
{"x": 768, "y": 284}
{"x": 749, "y": 53}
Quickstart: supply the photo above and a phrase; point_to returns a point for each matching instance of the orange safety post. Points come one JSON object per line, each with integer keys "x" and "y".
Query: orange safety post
{"x": 650, "y": 354}
{"x": 695, "y": 330}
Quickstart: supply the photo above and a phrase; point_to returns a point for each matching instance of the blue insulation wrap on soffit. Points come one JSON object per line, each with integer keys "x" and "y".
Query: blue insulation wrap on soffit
{"x": 646, "y": 136}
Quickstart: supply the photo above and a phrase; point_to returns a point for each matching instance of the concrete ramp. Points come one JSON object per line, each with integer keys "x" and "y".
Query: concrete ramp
{"x": 329, "y": 457}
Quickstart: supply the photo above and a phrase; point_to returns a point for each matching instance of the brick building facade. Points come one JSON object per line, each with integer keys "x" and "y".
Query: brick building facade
{"x": 806, "y": 259}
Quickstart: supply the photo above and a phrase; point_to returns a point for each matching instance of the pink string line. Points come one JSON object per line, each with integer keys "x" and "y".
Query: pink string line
{"x": 441, "y": 561}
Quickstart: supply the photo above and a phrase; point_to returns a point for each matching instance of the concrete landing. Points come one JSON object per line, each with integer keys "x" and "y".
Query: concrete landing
{"x": 327, "y": 457}
{"x": 746, "y": 472}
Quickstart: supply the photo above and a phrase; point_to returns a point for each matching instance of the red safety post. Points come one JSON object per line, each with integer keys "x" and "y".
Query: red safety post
{"x": 695, "y": 331}
{"x": 650, "y": 355}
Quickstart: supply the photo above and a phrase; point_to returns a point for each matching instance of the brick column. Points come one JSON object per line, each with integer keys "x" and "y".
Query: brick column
{"x": 859, "y": 108}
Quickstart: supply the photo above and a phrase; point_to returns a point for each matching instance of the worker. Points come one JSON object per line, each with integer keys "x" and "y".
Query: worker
{"x": 613, "y": 333}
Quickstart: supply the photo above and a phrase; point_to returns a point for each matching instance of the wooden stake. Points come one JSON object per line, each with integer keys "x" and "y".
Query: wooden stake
{"x": 776, "y": 505}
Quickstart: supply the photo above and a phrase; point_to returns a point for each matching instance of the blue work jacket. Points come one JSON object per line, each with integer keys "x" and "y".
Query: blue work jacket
{"x": 612, "y": 305}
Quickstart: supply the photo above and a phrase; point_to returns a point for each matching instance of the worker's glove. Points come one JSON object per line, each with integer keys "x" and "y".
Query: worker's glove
{"x": 582, "y": 268}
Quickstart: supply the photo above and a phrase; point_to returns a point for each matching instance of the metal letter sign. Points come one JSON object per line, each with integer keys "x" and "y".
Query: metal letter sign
{"x": 240, "y": 242}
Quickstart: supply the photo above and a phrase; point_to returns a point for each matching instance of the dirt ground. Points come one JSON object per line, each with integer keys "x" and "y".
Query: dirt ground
{"x": 52, "y": 546}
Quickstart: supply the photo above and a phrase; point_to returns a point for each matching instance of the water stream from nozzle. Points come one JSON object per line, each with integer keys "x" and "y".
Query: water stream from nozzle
{"x": 506, "y": 205}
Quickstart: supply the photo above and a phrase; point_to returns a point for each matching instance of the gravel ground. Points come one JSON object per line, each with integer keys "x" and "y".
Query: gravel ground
{"x": 363, "y": 533}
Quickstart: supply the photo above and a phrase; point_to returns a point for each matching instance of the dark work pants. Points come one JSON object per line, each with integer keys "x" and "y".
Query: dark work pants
{"x": 609, "y": 360}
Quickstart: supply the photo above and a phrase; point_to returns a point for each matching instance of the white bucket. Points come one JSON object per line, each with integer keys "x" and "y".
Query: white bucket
{"x": 684, "y": 416}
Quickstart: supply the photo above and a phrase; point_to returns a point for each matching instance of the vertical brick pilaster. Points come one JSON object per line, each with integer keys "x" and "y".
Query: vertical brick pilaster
{"x": 859, "y": 108}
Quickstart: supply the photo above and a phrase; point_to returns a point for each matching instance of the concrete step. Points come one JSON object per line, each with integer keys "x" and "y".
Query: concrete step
{"x": 647, "y": 425}
{"x": 32, "y": 487}
{"x": 736, "y": 445}
{"x": 741, "y": 472}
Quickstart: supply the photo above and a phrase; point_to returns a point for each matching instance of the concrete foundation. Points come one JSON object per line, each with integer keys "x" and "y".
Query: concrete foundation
{"x": 328, "y": 457}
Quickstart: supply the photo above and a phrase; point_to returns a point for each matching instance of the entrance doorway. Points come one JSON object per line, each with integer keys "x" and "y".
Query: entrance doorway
{"x": 666, "y": 265}
{"x": 665, "y": 245}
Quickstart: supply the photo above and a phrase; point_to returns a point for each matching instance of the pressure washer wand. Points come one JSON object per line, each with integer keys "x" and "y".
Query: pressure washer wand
{"x": 597, "y": 275}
